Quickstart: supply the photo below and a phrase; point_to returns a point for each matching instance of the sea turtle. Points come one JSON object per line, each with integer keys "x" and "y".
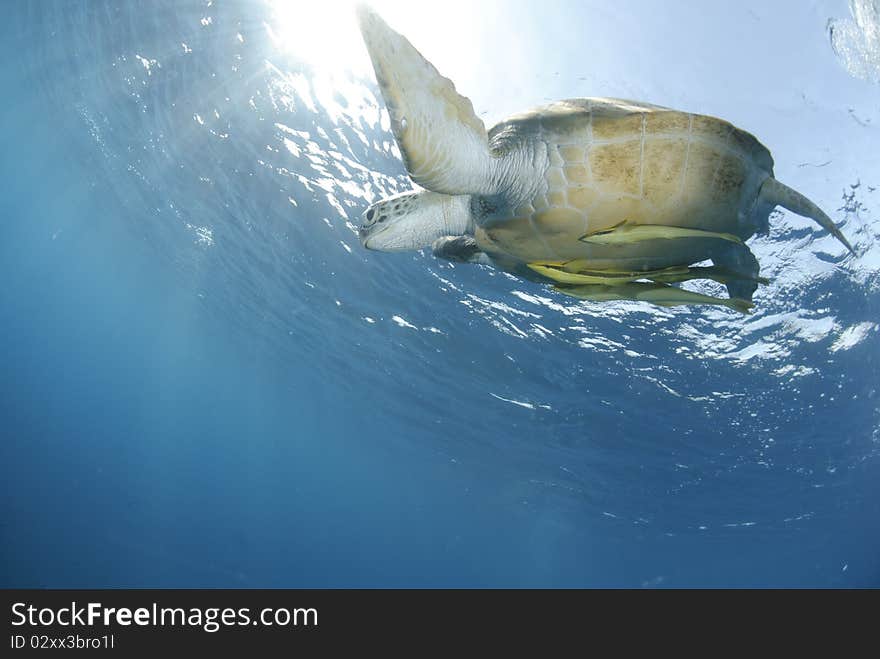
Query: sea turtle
{"x": 605, "y": 198}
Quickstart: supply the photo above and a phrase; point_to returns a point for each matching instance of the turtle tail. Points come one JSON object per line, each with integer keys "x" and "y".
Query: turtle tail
{"x": 778, "y": 194}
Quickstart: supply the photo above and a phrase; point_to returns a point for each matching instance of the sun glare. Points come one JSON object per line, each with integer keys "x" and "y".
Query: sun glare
{"x": 321, "y": 33}
{"x": 324, "y": 33}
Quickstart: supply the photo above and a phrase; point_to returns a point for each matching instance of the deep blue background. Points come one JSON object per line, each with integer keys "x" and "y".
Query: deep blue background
{"x": 183, "y": 413}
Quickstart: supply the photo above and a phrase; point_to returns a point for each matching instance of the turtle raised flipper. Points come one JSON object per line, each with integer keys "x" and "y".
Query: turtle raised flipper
{"x": 626, "y": 233}
{"x": 660, "y": 294}
{"x": 444, "y": 144}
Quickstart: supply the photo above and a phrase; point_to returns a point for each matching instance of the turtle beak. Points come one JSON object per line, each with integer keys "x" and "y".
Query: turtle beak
{"x": 368, "y": 227}
{"x": 370, "y": 236}
{"x": 364, "y": 235}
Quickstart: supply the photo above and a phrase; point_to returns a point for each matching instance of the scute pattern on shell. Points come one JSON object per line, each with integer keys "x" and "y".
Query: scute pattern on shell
{"x": 611, "y": 160}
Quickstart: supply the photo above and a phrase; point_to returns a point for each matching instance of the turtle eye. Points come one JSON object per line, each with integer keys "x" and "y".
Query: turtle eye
{"x": 370, "y": 214}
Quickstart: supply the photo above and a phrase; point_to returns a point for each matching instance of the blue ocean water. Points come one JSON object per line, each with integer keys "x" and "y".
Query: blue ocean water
{"x": 207, "y": 382}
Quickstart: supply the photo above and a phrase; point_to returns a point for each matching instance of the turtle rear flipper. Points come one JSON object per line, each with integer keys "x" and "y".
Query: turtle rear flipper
{"x": 741, "y": 268}
{"x": 775, "y": 193}
{"x": 444, "y": 143}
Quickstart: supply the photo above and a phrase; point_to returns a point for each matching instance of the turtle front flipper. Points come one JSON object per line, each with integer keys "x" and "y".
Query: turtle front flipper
{"x": 461, "y": 249}
{"x": 625, "y": 233}
{"x": 662, "y": 295}
{"x": 444, "y": 144}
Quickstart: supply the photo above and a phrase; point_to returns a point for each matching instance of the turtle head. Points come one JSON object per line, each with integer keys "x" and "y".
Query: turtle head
{"x": 414, "y": 220}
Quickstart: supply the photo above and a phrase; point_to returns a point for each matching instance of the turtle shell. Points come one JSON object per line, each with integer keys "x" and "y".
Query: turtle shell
{"x": 609, "y": 161}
